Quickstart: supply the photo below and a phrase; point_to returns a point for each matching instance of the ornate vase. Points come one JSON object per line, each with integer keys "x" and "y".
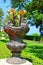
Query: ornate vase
{"x": 16, "y": 35}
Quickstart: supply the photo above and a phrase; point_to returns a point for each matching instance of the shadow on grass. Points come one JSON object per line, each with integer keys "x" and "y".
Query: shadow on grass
{"x": 36, "y": 50}
{"x": 5, "y": 41}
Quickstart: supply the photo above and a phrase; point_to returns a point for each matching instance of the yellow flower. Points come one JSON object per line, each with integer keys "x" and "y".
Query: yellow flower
{"x": 13, "y": 11}
{"x": 25, "y": 11}
{"x": 8, "y": 11}
{"x": 22, "y": 12}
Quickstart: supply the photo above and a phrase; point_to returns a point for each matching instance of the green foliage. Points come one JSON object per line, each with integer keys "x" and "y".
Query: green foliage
{"x": 0, "y": 34}
{"x": 36, "y": 16}
{"x": 35, "y": 5}
{"x": 35, "y": 9}
{"x": 8, "y": 17}
{"x": 35, "y": 34}
{"x": 15, "y": 3}
{"x": 1, "y": 12}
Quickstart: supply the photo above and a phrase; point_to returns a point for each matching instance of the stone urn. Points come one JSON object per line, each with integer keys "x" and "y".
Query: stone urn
{"x": 16, "y": 44}
{"x": 16, "y": 33}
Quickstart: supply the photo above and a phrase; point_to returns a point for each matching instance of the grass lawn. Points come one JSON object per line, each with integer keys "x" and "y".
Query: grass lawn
{"x": 4, "y": 51}
{"x": 33, "y": 52}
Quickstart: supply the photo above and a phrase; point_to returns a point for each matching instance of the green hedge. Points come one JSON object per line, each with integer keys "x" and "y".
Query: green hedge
{"x": 36, "y": 38}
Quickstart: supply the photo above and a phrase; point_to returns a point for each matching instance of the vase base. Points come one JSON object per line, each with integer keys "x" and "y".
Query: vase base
{"x": 4, "y": 62}
{"x": 15, "y": 60}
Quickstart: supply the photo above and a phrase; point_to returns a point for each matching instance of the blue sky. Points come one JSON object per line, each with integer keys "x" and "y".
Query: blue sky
{"x": 33, "y": 29}
{"x": 4, "y": 5}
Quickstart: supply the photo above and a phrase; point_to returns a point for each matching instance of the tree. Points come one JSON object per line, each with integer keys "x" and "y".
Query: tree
{"x": 1, "y": 14}
{"x": 35, "y": 12}
{"x": 19, "y": 4}
{"x": 35, "y": 4}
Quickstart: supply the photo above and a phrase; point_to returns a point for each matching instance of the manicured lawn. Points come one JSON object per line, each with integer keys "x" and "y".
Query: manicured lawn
{"x": 33, "y": 52}
{"x": 4, "y": 52}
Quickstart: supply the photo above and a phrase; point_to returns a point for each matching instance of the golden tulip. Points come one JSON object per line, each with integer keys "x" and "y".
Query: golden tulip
{"x": 25, "y": 11}
{"x": 8, "y": 11}
{"x": 13, "y": 10}
{"x": 21, "y": 12}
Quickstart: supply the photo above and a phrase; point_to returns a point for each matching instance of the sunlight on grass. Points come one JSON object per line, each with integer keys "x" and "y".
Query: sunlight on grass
{"x": 4, "y": 52}
{"x": 33, "y": 52}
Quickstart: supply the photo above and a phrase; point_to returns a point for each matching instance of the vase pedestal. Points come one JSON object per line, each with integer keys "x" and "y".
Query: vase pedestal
{"x": 16, "y": 48}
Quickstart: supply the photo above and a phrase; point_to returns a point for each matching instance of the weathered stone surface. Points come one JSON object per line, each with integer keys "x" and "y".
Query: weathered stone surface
{"x": 16, "y": 60}
{"x": 16, "y": 47}
{"x": 16, "y": 33}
